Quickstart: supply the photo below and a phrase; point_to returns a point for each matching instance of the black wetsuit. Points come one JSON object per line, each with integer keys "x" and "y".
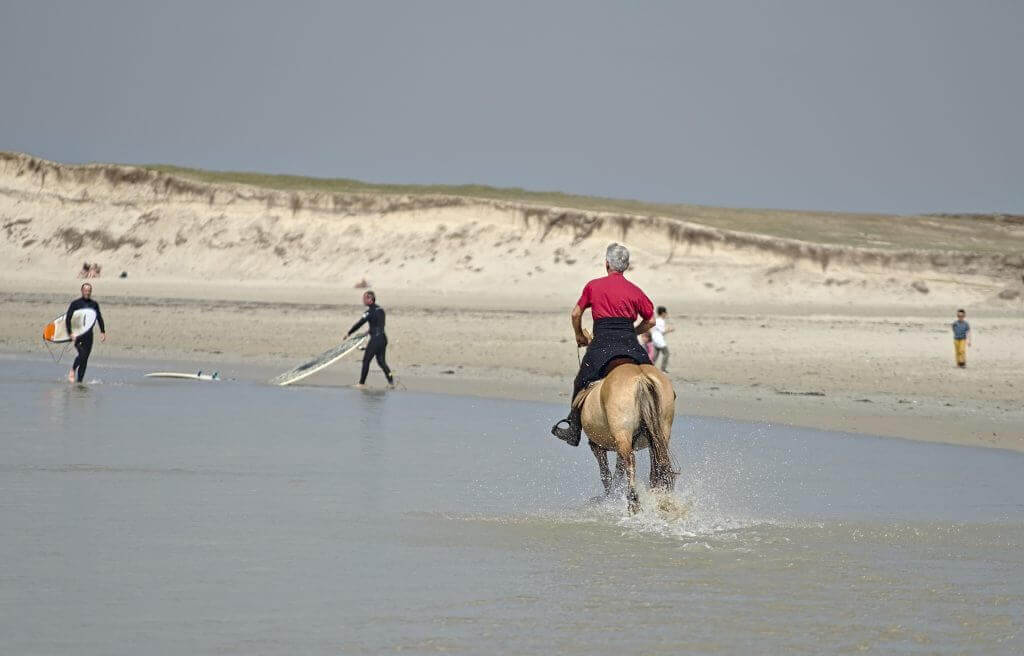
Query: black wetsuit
{"x": 83, "y": 343}
{"x": 374, "y": 316}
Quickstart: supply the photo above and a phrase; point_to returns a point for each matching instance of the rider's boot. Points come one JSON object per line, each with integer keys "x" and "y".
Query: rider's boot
{"x": 570, "y": 434}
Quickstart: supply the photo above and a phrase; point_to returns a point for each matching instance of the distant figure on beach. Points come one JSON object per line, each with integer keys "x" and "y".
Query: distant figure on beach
{"x": 83, "y": 342}
{"x": 648, "y": 345}
{"x": 961, "y": 338}
{"x": 90, "y": 270}
{"x": 378, "y": 345}
{"x": 658, "y": 339}
{"x": 615, "y": 304}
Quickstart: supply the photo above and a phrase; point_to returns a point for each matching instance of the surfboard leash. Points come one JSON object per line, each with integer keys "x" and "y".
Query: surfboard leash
{"x": 62, "y": 351}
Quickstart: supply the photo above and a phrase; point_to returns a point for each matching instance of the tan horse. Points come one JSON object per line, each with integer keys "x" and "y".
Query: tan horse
{"x": 630, "y": 409}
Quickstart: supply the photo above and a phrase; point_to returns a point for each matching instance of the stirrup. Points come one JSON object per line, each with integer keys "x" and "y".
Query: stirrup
{"x": 567, "y": 434}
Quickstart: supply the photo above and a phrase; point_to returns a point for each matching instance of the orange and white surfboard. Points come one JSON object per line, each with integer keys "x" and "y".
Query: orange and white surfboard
{"x": 81, "y": 321}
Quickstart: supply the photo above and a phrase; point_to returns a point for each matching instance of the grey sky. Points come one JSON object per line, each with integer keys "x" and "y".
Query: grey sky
{"x": 888, "y": 106}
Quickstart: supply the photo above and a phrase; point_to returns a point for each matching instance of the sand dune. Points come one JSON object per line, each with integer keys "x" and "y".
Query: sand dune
{"x": 157, "y": 225}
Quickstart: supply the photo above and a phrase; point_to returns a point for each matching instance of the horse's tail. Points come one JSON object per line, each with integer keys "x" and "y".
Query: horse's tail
{"x": 648, "y": 406}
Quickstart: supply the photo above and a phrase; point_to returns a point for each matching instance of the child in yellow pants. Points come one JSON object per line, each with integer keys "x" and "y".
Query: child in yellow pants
{"x": 960, "y": 349}
{"x": 961, "y": 338}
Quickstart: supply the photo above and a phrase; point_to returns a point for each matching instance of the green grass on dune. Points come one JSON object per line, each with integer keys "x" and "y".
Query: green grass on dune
{"x": 345, "y": 185}
{"x": 977, "y": 233}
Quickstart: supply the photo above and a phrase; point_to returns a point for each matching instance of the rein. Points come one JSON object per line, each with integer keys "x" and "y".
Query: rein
{"x": 579, "y": 360}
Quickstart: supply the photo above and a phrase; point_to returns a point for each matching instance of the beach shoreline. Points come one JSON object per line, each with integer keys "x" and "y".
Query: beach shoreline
{"x": 800, "y": 365}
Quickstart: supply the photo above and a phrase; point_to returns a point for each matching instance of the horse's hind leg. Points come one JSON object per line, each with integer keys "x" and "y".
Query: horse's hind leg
{"x": 663, "y": 476}
{"x": 602, "y": 464}
{"x": 628, "y": 462}
{"x": 620, "y": 470}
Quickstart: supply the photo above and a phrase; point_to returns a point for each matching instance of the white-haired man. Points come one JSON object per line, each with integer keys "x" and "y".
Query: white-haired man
{"x": 615, "y": 303}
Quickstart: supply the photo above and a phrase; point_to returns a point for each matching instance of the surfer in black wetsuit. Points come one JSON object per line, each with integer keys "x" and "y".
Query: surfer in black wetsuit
{"x": 374, "y": 316}
{"x": 83, "y": 342}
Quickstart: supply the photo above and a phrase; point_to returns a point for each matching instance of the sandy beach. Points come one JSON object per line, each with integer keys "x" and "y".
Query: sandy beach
{"x": 826, "y": 332}
{"x": 891, "y": 374}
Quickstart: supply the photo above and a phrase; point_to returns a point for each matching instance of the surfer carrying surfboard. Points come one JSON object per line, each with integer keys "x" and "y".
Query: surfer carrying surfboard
{"x": 374, "y": 316}
{"x": 83, "y": 342}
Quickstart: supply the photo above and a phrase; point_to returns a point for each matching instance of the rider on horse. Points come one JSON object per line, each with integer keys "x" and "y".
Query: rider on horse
{"x": 615, "y": 303}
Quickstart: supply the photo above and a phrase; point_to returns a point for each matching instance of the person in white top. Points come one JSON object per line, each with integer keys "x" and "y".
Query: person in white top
{"x": 658, "y": 338}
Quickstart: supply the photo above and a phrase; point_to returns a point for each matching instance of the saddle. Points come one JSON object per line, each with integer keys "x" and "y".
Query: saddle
{"x": 577, "y": 403}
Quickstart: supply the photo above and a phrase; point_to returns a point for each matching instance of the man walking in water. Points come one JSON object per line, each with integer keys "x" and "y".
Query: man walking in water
{"x": 374, "y": 316}
{"x": 83, "y": 342}
{"x": 961, "y": 338}
{"x": 615, "y": 303}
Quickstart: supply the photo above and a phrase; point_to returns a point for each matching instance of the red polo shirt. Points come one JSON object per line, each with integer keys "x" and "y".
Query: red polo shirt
{"x": 614, "y": 296}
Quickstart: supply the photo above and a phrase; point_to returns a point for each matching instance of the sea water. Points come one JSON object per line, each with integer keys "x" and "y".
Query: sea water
{"x": 174, "y": 516}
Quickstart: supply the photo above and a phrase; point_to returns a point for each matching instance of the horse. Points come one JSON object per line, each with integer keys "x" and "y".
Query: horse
{"x": 630, "y": 409}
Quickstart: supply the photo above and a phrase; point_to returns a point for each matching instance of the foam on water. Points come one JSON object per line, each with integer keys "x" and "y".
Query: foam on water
{"x": 675, "y": 515}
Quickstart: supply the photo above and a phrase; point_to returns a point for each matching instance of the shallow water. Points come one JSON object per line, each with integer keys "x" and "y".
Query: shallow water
{"x": 145, "y": 516}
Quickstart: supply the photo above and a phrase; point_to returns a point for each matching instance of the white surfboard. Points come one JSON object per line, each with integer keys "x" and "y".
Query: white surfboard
{"x": 325, "y": 359}
{"x": 81, "y": 321}
{"x": 174, "y": 374}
